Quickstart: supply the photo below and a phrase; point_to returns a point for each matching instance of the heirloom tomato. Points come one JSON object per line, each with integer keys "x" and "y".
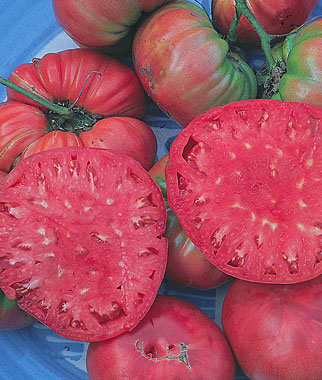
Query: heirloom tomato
{"x": 277, "y": 17}
{"x": 103, "y": 98}
{"x": 11, "y": 316}
{"x": 275, "y": 331}
{"x": 175, "y": 341}
{"x": 185, "y": 66}
{"x": 301, "y": 58}
{"x": 81, "y": 240}
{"x": 186, "y": 265}
{"x": 244, "y": 181}
{"x": 107, "y": 25}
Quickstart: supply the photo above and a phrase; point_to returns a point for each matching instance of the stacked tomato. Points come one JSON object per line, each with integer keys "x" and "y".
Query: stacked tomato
{"x": 90, "y": 227}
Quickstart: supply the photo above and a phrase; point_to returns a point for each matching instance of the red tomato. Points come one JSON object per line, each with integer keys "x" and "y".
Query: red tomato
{"x": 186, "y": 264}
{"x": 2, "y": 174}
{"x": 275, "y": 331}
{"x": 81, "y": 241}
{"x": 175, "y": 341}
{"x": 277, "y": 17}
{"x": 242, "y": 180}
{"x": 140, "y": 142}
{"x": 26, "y": 127}
{"x": 102, "y": 24}
{"x": 11, "y": 316}
{"x": 184, "y": 64}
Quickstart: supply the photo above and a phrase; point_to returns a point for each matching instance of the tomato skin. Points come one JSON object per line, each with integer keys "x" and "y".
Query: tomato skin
{"x": 21, "y": 124}
{"x": 275, "y": 330}
{"x": 140, "y": 142}
{"x": 302, "y": 82}
{"x": 99, "y": 24}
{"x": 186, "y": 265}
{"x": 275, "y": 16}
{"x": 169, "y": 322}
{"x": 27, "y": 128}
{"x": 11, "y": 316}
{"x": 184, "y": 65}
{"x": 52, "y": 140}
{"x": 114, "y": 91}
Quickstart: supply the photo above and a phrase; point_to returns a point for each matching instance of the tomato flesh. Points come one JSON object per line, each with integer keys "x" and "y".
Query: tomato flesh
{"x": 244, "y": 180}
{"x": 81, "y": 248}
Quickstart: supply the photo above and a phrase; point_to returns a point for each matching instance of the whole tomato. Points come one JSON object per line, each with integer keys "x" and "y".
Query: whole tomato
{"x": 275, "y": 331}
{"x": 11, "y": 316}
{"x": 107, "y": 25}
{"x": 277, "y": 17}
{"x": 184, "y": 64}
{"x": 174, "y": 341}
{"x": 301, "y": 82}
{"x": 103, "y": 99}
{"x": 186, "y": 265}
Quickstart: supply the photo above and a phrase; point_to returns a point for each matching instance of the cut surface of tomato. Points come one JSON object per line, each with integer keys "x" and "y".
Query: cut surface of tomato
{"x": 245, "y": 182}
{"x": 81, "y": 241}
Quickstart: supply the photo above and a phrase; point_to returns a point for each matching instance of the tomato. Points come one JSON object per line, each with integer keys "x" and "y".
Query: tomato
{"x": 11, "y": 316}
{"x": 301, "y": 82}
{"x": 186, "y": 265}
{"x": 275, "y": 330}
{"x": 184, "y": 65}
{"x": 81, "y": 241}
{"x": 175, "y": 341}
{"x": 243, "y": 181}
{"x": 103, "y": 95}
{"x": 277, "y": 17}
{"x": 2, "y": 174}
{"x": 108, "y": 25}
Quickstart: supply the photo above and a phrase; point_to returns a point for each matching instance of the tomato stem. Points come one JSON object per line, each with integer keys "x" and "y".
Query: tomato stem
{"x": 242, "y": 9}
{"x": 63, "y": 111}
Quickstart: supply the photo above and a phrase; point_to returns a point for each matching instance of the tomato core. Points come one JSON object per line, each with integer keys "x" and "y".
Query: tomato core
{"x": 80, "y": 120}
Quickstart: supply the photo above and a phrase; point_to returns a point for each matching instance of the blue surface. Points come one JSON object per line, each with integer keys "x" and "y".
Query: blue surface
{"x": 27, "y": 28}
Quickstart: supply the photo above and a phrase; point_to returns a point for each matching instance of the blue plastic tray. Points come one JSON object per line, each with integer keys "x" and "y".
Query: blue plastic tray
{"x": 29, "y": 29}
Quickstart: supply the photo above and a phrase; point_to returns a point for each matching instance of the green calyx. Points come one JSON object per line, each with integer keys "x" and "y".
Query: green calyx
{"x": 274, "y": 68}
{"x": 80, "y": 120}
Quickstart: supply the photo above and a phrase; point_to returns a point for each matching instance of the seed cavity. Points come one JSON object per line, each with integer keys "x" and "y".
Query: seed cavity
{"x": 292, "y": 262}
{"x": 217, "y": 239}
{"x": 239, "y": 258}
{"x": 99, "y": 238}
{"x": 149, "y": 251}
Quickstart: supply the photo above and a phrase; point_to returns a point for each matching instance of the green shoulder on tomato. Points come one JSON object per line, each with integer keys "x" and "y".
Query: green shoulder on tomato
{"x": 301, "y": 55}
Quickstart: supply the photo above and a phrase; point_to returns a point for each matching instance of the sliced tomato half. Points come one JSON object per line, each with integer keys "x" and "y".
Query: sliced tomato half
{"x": 245, "y": 181}
{"x": 81, "y": 241}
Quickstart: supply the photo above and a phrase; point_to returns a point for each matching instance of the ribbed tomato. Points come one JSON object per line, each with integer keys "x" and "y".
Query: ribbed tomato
{"x": 103, "y": 98}
{"x": 107, "y": 25}
{"x": 186, "y": 265}
{"x": 277, "y": 17}
{"x": 81, "y": 240}
{"x": 185, "y": 66}
{"x": 301, "y": 54}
